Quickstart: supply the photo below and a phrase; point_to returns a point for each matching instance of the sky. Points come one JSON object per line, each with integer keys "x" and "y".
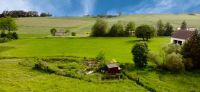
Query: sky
{"x": 96, "y": 7}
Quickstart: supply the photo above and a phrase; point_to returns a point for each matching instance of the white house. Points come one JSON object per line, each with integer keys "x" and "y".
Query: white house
{"x": 182, "y": 35}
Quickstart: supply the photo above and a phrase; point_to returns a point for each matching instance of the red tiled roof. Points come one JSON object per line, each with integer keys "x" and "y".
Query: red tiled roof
{"x": 183, "y": 34}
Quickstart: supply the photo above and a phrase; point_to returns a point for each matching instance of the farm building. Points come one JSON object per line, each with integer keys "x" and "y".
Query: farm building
{"x": 113, "y": 69}
{"x": 182, "y": 35}
{"x": 60, "y": 33}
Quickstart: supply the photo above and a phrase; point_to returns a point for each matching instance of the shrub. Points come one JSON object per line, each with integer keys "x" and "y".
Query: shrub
{"x": 3, "y": 34}
{"x": 174, "y": 63}
{"x": 140, "y": 51}
{"x": 154, "y": 57}
{"x": 101, "y": 57}
{"x": 2, "y": 40}
{"x": 188, "y": 63}
{"x": 14, "y": 35}
{"x": 172, "y": 48}
{"x": 73, "y": 33}
{"x": 53, "y": 31}
{"x": 9, "y": 35}
{"x": 43, "y": 66}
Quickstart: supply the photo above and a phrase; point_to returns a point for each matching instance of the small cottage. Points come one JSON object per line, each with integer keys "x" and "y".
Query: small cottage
{"x": 182, "y": 35}
{"x": 60, "y": 33}
{"x": 113, "y": 69}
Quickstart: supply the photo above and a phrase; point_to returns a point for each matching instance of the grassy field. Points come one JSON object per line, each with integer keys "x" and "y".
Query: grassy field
{"x": 82, "y": 25}
{"x": 34, "y": 42}
{"x": 114, "y": 48}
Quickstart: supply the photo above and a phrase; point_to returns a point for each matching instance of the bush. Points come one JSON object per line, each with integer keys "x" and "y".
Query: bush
{"x": 154, "y": 57}
{"x": 2, "y": 40}
{"x": 3, "y": 34}
{"x": 174, "y": 63}
{"x": 188, "y": 63}
{"x": 14, "y": 35}
{"x": 140, "y": 51}
{"x": 9, "y": 35}
{"x": 73, "y": 34}
{"x": 172, "y": 48}
{"x": 53, "y": 31}
{"x": 101, "y": 57}
{"x": 43, "y": 66}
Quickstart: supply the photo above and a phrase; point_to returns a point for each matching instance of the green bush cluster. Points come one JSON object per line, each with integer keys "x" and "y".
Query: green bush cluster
{"x": 140, "y": 52}
{"x": 100, "y": 29}
{"x": 172, "y": 58}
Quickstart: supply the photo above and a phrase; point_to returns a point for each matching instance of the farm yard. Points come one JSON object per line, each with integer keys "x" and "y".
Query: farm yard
{"x": 18, "y": 57}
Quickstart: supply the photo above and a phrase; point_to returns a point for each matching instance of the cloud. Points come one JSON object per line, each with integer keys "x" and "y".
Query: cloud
{"x": 93, "y": 7}
{"x": 88, "y": 6}
{"x": 161, "y": 6}
{"x": 14, "y": 5}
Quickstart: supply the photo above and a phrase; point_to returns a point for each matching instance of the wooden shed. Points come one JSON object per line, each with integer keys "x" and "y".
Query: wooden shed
{"x": 113, "y": 69}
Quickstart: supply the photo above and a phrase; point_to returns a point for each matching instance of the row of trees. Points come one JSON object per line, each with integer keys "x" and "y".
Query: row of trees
{"x": 100, "y": 29}
{"x": 8, "y": 28}
{"x": 21, "y": 13}
{"x": 174, "y": 58}
{"x": 146, "y": 32}
{"x": 164, "y": 29}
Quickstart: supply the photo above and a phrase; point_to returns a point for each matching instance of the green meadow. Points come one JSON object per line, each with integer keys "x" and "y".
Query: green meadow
{"x": 35, "y": 42}
{"x": 114, "y": 48}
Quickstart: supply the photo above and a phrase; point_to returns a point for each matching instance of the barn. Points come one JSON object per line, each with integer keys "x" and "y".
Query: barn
{"x": 113, "y": 69}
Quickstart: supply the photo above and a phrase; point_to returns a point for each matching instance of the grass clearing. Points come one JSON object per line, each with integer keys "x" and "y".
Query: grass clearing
{"x": 15, "y": 78}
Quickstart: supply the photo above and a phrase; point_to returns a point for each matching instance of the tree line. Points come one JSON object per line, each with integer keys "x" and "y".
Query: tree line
{"x": 146, "y": 32}
{"x": 21, "y": 13}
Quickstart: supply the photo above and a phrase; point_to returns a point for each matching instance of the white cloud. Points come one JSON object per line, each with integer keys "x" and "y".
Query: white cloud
{"x": 14, "y": 5}
{"x": 88, "y": 6}
{"x": 161, "y": 6}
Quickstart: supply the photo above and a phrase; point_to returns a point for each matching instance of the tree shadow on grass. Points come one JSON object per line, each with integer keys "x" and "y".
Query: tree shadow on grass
{"x": 135, "y": 41}
{"x": 5, "y": 48}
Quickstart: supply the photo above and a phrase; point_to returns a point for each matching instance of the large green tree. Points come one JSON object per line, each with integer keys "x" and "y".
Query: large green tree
{"x": 168, "y": 29}
{"x": 140, "y": 54}
{"x": 116, "y": 30}
{"x": 99, "y": 28}
{"x": 8, "y": 24}
{"x": 191, "y": 49}
{"x": 145, "y": 32}
{"x": 130, "y": 28}
{"x": 160, "y": 28}
{"x": 184, "y": 25}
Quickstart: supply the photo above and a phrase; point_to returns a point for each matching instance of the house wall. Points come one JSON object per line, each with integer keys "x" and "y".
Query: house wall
{"x": 172, "y": 40}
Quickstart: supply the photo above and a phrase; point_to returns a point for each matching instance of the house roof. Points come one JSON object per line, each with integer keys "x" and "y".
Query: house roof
{"x": 183, "y": 34}
{"x": 112, "y": 65}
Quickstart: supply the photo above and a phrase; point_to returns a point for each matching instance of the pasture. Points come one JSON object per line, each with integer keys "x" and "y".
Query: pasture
{"x": 114, "y": 48}
{"x": 40, "y": 27}
{"x": 35, "y": 42}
